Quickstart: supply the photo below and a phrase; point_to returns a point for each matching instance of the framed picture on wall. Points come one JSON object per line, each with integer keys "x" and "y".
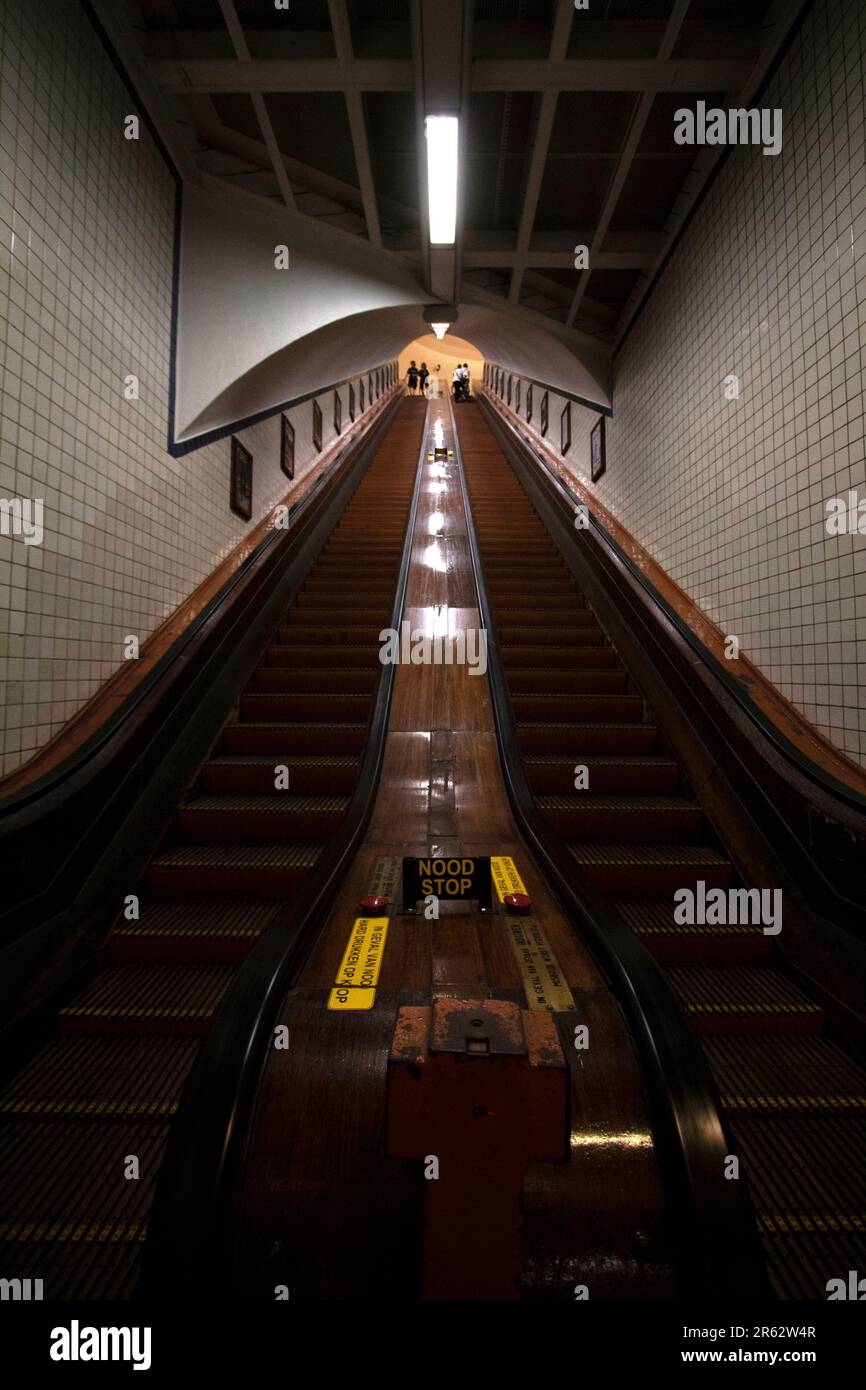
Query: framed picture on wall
{"x": 370, "y": 387}
{"x": 378, "y": 382}
{"x": 529, "y": 404}
{"x": 565, "y": 429}
{"x": 597, "y": 459}
{"x": 317, "y": 426}
{"x": 338, "y": 413}
{"x": 517, "y": 396}
{"x": 287, "y": 447}
{"x": 351, "y": 403}
{"x": 241, "y": 498}
{"x": 545, "y": 401}
{"x": 362, "y": 396}
{"x": 508, "y": 389}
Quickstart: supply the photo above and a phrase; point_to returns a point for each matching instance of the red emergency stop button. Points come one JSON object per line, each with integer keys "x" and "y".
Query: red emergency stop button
{"x": 517, "y": 902}
{"x": 374, "y": 903}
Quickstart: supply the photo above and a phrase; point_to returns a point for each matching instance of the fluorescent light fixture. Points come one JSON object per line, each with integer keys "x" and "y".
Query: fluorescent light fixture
{"x": 440, "y": 329}
{"x": 441, "y": 132}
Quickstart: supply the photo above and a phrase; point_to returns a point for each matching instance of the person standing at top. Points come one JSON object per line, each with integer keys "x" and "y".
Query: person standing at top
{"x": 412, "y": 378}
{"x": 422, "y": 378}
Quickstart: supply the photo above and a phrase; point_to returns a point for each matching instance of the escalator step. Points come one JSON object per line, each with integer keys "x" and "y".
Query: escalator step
{"x": 541, "y": 736}
{"x": 560, "y": 682}
{"x": 738, "y": 999}
{"x": 279, "y": 816}
{"x": 766, "y": 1075}
{"x": 255, "y": 775}
{"x": 809, "y": 1192}
{"x": 296, "y": 681}
{"x": 231, "y": 870}
{"x": 79, "y": 1221}
{"x": 150, "y": 1000}
{"x": 283, "y": 738}
{"x": 191, "y": 932}
{"x": 591, "y": 817}
{"x": 93, "y": 1078}
{"x": 607, "y": 773}
{"x": 539, "y": 708}
{"x": 322, "y": 657}
{"x": 653, "y": 922}
{"x": 633, "y": 870}
{"x": 294, "y": 708}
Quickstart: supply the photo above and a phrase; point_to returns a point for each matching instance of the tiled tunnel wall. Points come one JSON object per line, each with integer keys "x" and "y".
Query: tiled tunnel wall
{"x": 768, "y": 284}
{"x": 86, "y": 248}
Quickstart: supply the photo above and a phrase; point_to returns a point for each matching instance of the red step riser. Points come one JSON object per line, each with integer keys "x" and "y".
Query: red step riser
{"x": 293, "y": 708}
{"x": 209, "y": 881}
{"x": 358, "y": 595}
{"x": 323, "y": 658}
{"x": 285, "y": 742}
{"x": 276, "y": 680}
{"x": 623, "y": 741}
{"x": 758, "y": 1025}
{"x": 257, "y": 827}
{"x": 569, "y": 635}
{"x": 635, "y": 781}
{"x": 584, "y": 658}
{"x": 135, "y": 1027}
{"x": 259, "y": 781}
{"x": 349, "y": 638}
{"x": 528, "y": 614}
{"x": 610, "y": 709}
{"x": 568, "y": 683}
{"x": 596, "y": 827}
{"x": 627, "y": 881}
{"x": 178, "y": 950}
{"x": 718, "y": 951}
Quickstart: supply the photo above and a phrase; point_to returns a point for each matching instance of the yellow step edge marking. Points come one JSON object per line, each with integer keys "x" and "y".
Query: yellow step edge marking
{"x": 358, "y": 975}
{"x": 544, "y": 981}
{"x": 88, "y": 1107}
{"x": 831, "y": 1102}
{"x": 780, "y": 1223}
{"x": 506, "y": 879}
{"x": 101, "y": 1233}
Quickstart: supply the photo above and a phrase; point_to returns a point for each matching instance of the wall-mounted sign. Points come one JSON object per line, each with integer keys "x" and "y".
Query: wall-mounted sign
{"x": 451, "y": 878}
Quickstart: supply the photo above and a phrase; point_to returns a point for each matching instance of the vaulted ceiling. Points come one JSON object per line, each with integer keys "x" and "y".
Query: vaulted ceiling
{"x": 567, "y": 125}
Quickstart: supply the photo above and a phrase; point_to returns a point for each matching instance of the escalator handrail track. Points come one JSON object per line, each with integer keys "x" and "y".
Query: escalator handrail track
{"x": 712, "y": 1220}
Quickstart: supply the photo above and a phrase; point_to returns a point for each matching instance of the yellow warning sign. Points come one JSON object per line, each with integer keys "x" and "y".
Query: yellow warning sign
{"x": 506, "y": 879}
{"x": 543, "y": 980}
{"x": 358, "y": 975}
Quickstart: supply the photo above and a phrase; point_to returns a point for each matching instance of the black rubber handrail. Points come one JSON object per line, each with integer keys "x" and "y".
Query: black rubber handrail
{"x": 710, "y": 1219}
{"x": 192, "y": 1226}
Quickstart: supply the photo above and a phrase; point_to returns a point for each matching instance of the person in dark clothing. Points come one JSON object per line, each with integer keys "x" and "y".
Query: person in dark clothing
{"x": 422, "y": 377}
{"x": 412, "y": 378}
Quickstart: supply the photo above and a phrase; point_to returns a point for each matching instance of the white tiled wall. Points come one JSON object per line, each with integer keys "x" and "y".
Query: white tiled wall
{"x": 769, "y": 284}
{"x": 86, "y": 231}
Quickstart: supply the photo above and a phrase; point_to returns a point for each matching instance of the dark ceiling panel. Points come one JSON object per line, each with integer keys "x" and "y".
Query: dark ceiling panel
{"x": 381, "y": 28}
{"x": 573, "y": 191}
{"x": 591, "y": 122}
{"x": 513, "y": 28}
{"x": 497, "y": 146}
{"x": 314, "y": 127}
{"x": 611, "y": 286}
{"x": 301, "y": 14}
{"x": 391, "y": 133}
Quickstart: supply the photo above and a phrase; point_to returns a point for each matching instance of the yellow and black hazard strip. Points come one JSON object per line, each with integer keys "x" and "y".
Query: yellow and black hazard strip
{"x": 358, "y": 976}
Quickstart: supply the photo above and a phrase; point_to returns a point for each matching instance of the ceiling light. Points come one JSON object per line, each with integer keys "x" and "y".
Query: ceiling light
{"x": 441, "y": 133}
{"x": 440, "y": 329}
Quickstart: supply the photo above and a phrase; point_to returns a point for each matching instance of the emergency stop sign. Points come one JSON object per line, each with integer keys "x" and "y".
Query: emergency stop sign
{"x": 450, "y": 878}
